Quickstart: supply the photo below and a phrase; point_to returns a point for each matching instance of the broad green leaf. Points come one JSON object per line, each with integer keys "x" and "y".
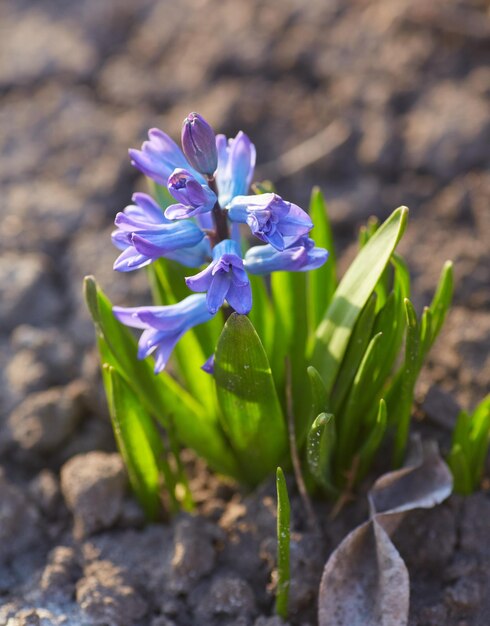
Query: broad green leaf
{"x": 442, "y": 298}
{"x": 373, "y": 441}
{"x": 358, "y": 343}
{"x": 320, "y": 449}
{"x": 250, "y": 409}
{"x": 160, "y": 394}
{"x": 140, "y": 445}
{"x": 411, "y": 367}
{"x": 318, "y": 391}
{"x": 283, "y": 545}
{"x": 333, "y": 334}
{"x": 323, "y": 281}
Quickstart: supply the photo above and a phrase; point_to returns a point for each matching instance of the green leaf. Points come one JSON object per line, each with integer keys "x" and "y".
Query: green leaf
{"x": 479, "y": 438}
{"x": 320, "y": 447}
{"x": 361, "y": 397}
{"x": 318, "y": 391}
{"x": 333, "y": 334}
{"x": 140, "y": 445}
{"x": 290, "y": 336}
{"x": 250, "y": 410}
{"x": 426, "y": 338}
{"x": 160, "y": 394}
{"x": 261, "y": 314}
{"x": 411, "y": 367}
{"x": 283, "y": 545}
{"x": 463, "y": 483}
{"x": 442, "y": 298}
{"x": 370, "y": 447}
{"x": 355, "y": 351}
{"x": 323, "y": 281}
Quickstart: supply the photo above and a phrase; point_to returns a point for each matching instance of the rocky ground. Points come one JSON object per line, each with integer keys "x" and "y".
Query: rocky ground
{"x": 396, "y": 92}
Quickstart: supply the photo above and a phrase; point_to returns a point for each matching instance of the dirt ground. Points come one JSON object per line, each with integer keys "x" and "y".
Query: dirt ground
{"x": 396, "y": 93}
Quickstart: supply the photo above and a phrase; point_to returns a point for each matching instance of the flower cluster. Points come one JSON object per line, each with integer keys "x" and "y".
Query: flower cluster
{"x": 209, "y": 179}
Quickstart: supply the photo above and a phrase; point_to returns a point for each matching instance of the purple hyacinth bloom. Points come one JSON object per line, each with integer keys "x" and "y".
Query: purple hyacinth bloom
{"x": 236, "y": 163}
{"x": 163, "y": 326}
{"x": 193, "y": 198}
{"x": 159, "y": 156}
{"x": 300, "y": 257}
{"x": 144, "y": 234}
{"x": 271, "y": 218}
{"x": 199, "y": 144}
{"x": 224, "y": 278}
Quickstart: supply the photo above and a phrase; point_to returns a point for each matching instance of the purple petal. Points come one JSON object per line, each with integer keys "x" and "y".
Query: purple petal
{"x": 201, "y": 281}
{"x": 129, "y": 316}
{"x": 240, "y": 298}
{"x": 217, "y": 291}
{"x": 130, "y": 260}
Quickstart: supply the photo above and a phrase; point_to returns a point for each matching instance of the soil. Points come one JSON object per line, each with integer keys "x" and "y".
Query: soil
{"x": 403, "y": 88}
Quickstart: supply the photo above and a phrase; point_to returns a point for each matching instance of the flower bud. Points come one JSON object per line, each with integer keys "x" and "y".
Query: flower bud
{"x": 199, "y": 144}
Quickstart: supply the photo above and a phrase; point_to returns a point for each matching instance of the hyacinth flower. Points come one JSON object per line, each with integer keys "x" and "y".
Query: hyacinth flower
{"x": 271, "y": 218}
{"x": 193, "y": 198}
{"x": 310, "y": 360}
{"x": 303, "y": 256}
{"x": 224, "y": 278}
{"x": 163, "y": 326}
{"x": 144, "y": 234}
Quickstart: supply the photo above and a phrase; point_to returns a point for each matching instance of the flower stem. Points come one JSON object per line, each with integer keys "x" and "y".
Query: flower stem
{"x": 219, "y": 216}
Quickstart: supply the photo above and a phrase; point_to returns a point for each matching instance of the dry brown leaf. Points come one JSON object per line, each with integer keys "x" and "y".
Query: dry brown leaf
{"x": 365, "y": 581}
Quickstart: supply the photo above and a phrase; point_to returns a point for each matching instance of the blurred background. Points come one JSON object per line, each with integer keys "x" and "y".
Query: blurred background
{"x": 380, "y": 102}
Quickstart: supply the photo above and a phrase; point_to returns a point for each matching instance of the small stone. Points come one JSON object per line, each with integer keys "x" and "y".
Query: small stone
{"x": 44, "y": 420}
{"x": 194, "y": 552}
{"x": 229, "y": 597}
{"x": 93, "y": 487}
{"x": 107, "y": 596}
